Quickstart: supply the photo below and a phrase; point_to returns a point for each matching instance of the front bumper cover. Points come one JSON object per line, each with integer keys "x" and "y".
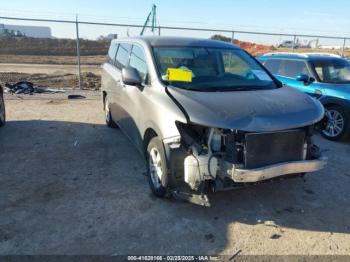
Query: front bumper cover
{"x": 268, "y": 172}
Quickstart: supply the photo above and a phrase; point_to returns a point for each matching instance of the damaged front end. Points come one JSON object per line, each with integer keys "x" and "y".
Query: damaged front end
{"x": 214, "y": 159}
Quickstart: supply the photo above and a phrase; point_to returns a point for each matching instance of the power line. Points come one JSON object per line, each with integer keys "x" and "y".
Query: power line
{"x": 172, "y": 27}
{"x": 127, "y": 19}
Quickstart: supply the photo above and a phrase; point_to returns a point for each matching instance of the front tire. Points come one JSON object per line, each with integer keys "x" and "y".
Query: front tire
{"x": 108, "y": 115}
{"x": 2, "y": 111}
{"x": 336, "y": 124}
{"x": 157, "y": 169}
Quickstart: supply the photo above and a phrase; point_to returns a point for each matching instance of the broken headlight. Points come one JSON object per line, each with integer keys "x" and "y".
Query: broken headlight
{"x": 193, "y": 137}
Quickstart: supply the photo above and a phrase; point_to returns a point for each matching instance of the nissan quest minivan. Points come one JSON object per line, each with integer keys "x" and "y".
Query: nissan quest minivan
{"x": 207, "y": 116}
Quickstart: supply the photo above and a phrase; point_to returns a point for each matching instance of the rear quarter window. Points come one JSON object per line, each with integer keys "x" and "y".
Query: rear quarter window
{"x": 293, "y": 68}
{"x": 111, "y": 53}
{"x": 274, "y": 66}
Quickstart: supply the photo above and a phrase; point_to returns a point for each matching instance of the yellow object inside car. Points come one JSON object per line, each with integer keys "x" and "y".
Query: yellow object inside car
{"x": 178, "y": 74}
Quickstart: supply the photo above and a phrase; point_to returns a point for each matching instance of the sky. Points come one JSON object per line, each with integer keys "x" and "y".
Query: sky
{"x": 277, "y": 16}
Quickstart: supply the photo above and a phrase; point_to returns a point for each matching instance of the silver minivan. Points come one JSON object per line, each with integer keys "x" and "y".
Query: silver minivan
{"x": 207, "y": 115}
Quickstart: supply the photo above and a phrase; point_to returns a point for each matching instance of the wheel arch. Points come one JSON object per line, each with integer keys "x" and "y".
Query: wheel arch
{"x": 329, "y": 101}
{"x": 148, "y": 135}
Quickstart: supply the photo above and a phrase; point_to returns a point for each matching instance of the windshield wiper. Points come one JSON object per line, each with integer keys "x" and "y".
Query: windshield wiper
{"x": 244, "y": 88}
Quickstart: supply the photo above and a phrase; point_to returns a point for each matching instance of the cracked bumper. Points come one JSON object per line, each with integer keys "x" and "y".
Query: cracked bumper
{"x": 276, "y": 170}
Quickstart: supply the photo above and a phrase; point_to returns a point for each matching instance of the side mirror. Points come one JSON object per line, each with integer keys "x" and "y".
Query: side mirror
{"x": 131, "y": 76}
{"x": 305, "y": 78}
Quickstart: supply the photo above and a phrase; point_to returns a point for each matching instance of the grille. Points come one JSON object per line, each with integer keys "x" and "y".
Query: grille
{"x": 263, "y": 149}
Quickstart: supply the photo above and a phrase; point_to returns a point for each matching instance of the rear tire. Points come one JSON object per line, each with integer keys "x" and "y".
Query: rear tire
{"x": 157, "y": 169}
{"x": 108, "y": 115}
{"x": 2, "y": 111}
{"x": 336, "y": 124}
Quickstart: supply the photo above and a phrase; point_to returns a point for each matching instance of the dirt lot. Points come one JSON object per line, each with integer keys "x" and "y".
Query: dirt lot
{"x": 52, "y": 60}
{"x": 53, "y": 76}
{"x": 70, "y": 185}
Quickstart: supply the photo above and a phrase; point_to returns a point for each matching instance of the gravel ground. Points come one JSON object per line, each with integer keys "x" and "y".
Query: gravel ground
{"x": 51, "y": 75}
{"x": 70, "y": 185}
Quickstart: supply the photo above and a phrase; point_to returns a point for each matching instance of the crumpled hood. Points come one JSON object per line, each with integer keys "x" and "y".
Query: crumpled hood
{"x": 252, "y": 111}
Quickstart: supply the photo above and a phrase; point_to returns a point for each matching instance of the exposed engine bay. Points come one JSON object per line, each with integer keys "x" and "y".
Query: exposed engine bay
{"x": 224, "y": 158}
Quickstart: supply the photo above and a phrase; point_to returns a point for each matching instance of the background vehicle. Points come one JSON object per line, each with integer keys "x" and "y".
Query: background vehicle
{"x": 288, "y": 44}
{"x": 206, "y": 115}
{"x": 323, "y": 76}
{"x": 2, "y": 108}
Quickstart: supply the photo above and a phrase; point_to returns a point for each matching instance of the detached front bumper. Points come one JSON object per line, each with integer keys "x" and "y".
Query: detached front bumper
{"x": 272, "y": 171}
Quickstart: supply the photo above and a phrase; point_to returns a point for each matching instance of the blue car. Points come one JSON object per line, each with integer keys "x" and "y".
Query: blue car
{"x": 323, "y": 76}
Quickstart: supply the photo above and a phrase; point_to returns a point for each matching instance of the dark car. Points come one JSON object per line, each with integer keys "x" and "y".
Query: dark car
{"x": 207, "y": 115}
{"x": 323, "y": 76}
{"x": 2, "y": 108}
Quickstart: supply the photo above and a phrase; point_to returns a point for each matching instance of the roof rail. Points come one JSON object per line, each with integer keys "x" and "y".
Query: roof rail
{"x": 323, "y": 54}
{"x": 301, "y": 54}
{"x": 286, "y": 53}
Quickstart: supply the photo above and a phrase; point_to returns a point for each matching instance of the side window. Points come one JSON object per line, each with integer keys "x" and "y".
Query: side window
{"x": 138, "y": 61}
{"x": 274, "y": 66}
{"x": 122, "y": 58}
{"x": 293, "y": 68}
{"x": 111, "y": 53}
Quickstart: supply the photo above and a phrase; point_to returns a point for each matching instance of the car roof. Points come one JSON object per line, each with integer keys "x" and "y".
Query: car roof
{"x": 158, "y": 41}
{"x": 302, "y": 56}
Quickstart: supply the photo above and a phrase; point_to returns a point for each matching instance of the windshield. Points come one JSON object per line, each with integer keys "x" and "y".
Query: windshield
{"x": 333, "y": 71}
{"x": 211, "y": 69}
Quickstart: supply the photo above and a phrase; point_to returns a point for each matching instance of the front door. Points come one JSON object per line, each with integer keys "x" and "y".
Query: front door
{"x": 132, "y": 97}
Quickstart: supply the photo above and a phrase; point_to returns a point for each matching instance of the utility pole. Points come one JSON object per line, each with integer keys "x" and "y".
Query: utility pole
{"x": 294, "y": 43}
{"x": 343, "y": 49}
{"x": 78, "y": 52}
{"x": 152, "y": 15}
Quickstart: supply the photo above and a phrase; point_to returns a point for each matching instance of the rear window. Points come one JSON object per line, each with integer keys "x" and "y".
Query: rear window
{"x": 122, "y": 58}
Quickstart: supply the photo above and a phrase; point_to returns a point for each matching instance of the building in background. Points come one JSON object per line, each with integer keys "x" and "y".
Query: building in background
{"x": 107, "y": 37}
{"x": 24, "y": 30}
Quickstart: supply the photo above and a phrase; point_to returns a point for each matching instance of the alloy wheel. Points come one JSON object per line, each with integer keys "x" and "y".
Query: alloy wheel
{"x": 335, "y": 123}
{"x": 155, "y": 167}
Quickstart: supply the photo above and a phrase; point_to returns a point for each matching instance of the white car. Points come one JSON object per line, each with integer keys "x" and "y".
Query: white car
{"x": 288, "y": 44}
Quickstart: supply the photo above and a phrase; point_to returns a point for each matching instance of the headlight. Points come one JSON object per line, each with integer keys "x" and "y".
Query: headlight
{"x": 193, "y": 137}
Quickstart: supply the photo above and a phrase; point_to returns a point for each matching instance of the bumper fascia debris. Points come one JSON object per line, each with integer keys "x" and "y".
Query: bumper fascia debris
{"x": 240, "y": 175}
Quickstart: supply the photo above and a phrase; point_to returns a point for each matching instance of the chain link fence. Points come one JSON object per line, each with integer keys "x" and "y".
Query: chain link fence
{"x": 74, "y": 56}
